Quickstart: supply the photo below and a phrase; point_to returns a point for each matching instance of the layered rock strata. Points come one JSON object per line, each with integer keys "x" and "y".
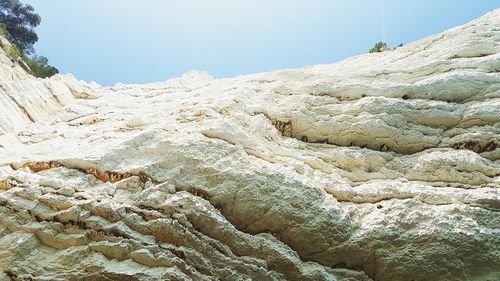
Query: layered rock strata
{"x": 382, "y": 166}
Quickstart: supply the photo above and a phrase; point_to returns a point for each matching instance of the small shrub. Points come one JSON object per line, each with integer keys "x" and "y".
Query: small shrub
{"x": 13, "y": 53}
{"x": 379, "y": 47}
{"x": 20, "y": 20}
{"x": 3, "y": 30}
{"x": 39, "y": 67}
{"x": 23, "y": 39}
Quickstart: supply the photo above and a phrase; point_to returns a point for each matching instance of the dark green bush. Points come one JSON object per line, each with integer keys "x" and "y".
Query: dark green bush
{"x": 17, "y": 23}
{"x": 379, "y": 47}
{"x": 19, "y": 20}
{"x": 3, "y": 30}
{"x": 39, "y": 67}
{"x": 14, "y": 53}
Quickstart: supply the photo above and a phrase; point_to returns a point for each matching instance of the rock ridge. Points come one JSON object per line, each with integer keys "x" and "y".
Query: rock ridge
{"x": 382, "y": 166}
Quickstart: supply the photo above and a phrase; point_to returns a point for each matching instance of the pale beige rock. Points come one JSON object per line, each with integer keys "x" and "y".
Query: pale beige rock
{"x": 135, "y": 122}
{"x": 380, "y": 167}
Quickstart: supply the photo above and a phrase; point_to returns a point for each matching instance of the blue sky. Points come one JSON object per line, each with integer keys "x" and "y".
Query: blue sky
{"x": 138, "y": 41}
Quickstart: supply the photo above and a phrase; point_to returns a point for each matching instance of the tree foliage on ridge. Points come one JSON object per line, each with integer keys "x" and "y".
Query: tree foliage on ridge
{"x": 20, "y": 21}
{"x": 17, "y": 23}
{"x": 379, "y": 47}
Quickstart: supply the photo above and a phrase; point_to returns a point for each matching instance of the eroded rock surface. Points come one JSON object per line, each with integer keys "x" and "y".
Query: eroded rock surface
{"x": 380, "y": 167}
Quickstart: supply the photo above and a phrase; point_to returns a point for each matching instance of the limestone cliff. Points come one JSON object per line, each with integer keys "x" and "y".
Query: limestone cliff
{"x": 380, "y": 167}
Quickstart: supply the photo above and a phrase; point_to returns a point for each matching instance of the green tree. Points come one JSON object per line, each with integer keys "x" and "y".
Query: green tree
{"x": 379, "y": 47}
{"x": 40, "y": 67}
{"x": 17, "y": 23}
{"x": 20, "y": 21}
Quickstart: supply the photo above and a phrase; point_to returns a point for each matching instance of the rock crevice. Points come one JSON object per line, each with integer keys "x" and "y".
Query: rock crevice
{"x": 379, "y": 167}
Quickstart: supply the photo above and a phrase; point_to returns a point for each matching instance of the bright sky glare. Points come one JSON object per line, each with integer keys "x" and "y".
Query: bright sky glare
{"x": 138, "y": 41}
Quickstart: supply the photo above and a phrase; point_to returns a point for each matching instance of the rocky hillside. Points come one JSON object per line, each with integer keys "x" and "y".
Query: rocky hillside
{"x": 380, "y": 167}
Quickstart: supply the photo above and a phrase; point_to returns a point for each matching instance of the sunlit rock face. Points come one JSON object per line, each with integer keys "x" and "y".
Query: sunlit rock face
{"x": 380, "y": 167}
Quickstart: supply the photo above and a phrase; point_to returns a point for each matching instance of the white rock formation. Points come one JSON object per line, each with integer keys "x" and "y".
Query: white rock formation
{"x": 380, "y": 167}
